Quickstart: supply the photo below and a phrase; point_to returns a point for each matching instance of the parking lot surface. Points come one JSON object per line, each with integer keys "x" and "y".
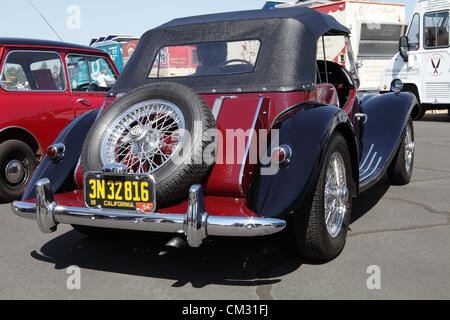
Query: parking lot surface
{"x": 401, "y": 231}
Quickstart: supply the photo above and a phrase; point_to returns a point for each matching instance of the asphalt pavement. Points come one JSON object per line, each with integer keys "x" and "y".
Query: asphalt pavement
{"x": 398, "y": 248}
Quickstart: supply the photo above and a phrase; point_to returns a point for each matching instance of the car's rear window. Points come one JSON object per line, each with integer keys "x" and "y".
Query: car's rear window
{"x": 206, "y": 59}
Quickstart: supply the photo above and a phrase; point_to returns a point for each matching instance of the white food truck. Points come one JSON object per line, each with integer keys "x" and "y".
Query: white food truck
{"x": 423, "y": 63}
{"x": 375, "y": 29}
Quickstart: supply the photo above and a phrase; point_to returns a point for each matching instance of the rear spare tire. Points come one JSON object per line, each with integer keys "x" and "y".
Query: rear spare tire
{"x": 165, "y": 129}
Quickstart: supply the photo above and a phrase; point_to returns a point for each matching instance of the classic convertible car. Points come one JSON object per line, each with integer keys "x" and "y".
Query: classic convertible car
{"x": 232, "y": 124}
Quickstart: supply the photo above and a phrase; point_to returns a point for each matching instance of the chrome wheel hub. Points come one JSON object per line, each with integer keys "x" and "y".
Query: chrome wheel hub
{"x": 409, "y": 148}
{"x": 143, "y": 137}
{"x": 336, "y": 195}
{"x": 15, "y": 171}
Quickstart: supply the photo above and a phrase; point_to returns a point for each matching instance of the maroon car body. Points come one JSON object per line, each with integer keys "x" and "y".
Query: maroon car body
{"x": 325, "y": 146}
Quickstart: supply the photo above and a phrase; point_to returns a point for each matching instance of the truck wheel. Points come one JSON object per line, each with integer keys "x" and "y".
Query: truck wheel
{"x": 420, "y": 112}
{"x": 401, "y": 168}
{"x": 320, "y": 228}
{"x": 162, "y": 129}
{"x": 17, "y": 164}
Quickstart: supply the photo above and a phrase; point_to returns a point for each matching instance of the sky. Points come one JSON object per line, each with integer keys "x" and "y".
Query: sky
{"x": 78, "y": 21}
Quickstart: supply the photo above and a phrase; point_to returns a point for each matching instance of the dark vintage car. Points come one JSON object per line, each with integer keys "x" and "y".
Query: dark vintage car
{"x": 44, "y": 85}
{"x": 232, "y": 124}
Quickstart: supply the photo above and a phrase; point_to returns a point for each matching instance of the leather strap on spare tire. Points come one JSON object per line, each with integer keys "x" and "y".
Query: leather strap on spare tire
{"x": 162, "y": 129}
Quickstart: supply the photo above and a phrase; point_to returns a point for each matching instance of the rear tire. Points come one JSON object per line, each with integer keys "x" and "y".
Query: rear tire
{"x": 401, "y": 168}
{"x": 17, "y": 164}
{"x": 314, "y": 237}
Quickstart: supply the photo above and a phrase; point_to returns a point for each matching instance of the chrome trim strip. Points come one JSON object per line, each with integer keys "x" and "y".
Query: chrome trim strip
{"x": 369, "y": 166}
{"x": 196, "y": 223}
{"x": 367, "y": 157}
{"x": 373, "y": 170}
{"x": 247, "y": 148}
{"x": 31, "y": 90}
{"x": 217, "y": 106}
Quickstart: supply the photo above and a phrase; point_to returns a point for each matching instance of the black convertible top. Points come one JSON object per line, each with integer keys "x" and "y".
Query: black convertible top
{"x": 317, "y": 22}
{"x": 286, "y": 60}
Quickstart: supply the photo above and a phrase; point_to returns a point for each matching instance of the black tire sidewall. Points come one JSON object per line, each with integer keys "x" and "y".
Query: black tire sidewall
{"x": 336, "y": 244}
{"x": 309, "y": 227}
{"x": 194, "y": 110}
{"x": 421, "y": 113}
{"x": 15, "y": 150}
{"x": 95, "y": 135}
{"x": 397, "y": 170}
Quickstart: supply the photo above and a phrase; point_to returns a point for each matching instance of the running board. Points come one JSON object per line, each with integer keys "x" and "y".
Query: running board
{"x": 370, "y": 169}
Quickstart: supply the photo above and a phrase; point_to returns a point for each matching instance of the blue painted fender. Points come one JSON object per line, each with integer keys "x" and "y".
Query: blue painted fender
{"x": 381, "y": 135}
{"x": 307, "y": 129}
{"x": 72, "y": 137}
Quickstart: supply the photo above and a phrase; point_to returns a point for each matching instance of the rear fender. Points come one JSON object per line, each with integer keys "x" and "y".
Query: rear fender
{"x": 72, "y": 137}
{"x": 307, "y": 129}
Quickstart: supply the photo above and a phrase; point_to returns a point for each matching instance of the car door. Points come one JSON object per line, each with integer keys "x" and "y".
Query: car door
{"x": 35, "y": 94}
{"x": 90, "y": 77}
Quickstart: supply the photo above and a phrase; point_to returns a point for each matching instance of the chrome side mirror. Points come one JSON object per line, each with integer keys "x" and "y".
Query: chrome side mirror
{"x": 403, "y": 47}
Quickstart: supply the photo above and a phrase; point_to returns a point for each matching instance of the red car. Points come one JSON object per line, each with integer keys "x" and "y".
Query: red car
{"x": 43, "y": 86}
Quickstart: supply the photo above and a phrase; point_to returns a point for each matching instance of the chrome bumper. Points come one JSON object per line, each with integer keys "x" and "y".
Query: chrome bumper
{"x": 196, "y": 223}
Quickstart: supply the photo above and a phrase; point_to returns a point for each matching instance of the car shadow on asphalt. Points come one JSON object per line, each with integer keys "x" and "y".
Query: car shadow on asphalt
{"x": 220, "y": 260}
{"x": 368, "y": 199}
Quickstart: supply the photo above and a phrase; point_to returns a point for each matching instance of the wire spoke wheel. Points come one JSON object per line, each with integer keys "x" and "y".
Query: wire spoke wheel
{"x": 155, "y": 129}
{"x": 144, "y": 137}
{"x": 321, "y": 224}
{"x": 336, "y": 194}
{"x": 401, "y": 168}
{"x": 409, "y": 148}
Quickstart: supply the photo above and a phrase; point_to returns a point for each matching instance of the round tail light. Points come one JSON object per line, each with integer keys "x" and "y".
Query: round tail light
{"x": 282, "y": 155}
{"x": 51, "y": 152}
{"x": 56, "y": 151}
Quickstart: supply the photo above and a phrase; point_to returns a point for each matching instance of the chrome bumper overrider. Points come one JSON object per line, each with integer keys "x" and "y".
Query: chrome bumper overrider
{"x": 196, "y": 223}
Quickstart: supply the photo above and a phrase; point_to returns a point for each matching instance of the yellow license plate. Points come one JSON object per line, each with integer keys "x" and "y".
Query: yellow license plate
{"x": 134, "y": 192}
